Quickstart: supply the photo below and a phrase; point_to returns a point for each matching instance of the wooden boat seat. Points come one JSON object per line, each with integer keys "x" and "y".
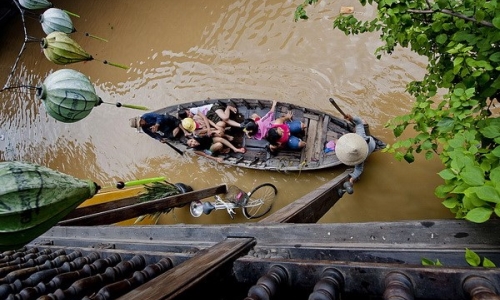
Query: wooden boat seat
{"x": 316, "y": 131}
{"x": 253, "y": 143}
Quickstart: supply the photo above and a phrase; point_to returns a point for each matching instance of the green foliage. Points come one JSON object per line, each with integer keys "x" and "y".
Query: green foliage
{"x": 473, "y": 259}
{"x": 155, "y": 191}
{"x": 300, "y": 12}
{"x": 460, "y": 39}
{"x": 428, "y": 262}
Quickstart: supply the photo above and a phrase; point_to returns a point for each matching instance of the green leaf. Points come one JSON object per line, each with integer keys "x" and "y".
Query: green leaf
{"x": 422, "y": 39}
{"x": 491, "y": 131}
{"x": 487, "y": 193}
{"x": 472, "y": 258}
{"x": 472, "y": 175}
{"x": 447, "y": 174}
{"x": 488, "y": 263}
{"x": 479, "y": 214}
{"x": 450, "y": 203}
{"x": 495, "y": 174}
{"x": 441, "y": 39}
{"x": 409, "y": 158}
{"x": 429, "y": 155}
{"x": 427, "y": 262}
{"x": 496, "y": 22}
{"x": 496, "y": 151}
{"x": 495, "y": 57}
{"x": 445, "y": 125}
{"x": 479, "y": 15}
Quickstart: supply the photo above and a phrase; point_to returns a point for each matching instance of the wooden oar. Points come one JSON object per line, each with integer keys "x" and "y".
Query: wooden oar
{"x": 367, "y": 127}
{"x": 337, "y": 107}
{"x": 340, "y": 110}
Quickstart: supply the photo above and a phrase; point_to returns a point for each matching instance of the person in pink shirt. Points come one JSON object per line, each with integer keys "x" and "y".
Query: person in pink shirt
{"x": 286, "y": 132}
{"x": 257, "y": 127}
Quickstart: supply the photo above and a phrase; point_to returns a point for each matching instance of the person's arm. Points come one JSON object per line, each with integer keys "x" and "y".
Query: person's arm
{"x": 283, "y": 119}
{"x": 159, "y": 120}
{"x": 186, "y": 133}
{"x": 201, "y": 153}
{"x": 358, "y": 169}
{"x": 206, "y": 121}
{"x": 270, "y": 113}
{"x": 149, "y": 132}
{"x": 360, "y": 127}
{"x": 358, "y": 123}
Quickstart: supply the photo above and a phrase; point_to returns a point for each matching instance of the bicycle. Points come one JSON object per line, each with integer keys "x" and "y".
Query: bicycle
{"x": 254, "y": 204}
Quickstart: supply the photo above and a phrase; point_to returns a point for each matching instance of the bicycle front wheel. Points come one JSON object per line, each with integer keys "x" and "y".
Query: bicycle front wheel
{"x": 260, "y": 201}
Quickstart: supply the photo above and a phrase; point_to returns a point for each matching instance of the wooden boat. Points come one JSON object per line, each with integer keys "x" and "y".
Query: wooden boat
{"x": 321, "y": 128}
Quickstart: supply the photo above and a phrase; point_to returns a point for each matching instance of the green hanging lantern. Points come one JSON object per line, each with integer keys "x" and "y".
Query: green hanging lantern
{"x": 60, "y": 49}
{"x": 55, "y": 19}
{"x": 35, "y": 4}
{"x": 68, "y": 95}
{"x": 35, "y": 198}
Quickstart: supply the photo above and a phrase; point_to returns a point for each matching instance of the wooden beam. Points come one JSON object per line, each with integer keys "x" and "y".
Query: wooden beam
{"x": 92, "y": 209}
{"x": 311, "y": 207}
{"x": 143, "y": 208}
{"x": 180, "y": 279}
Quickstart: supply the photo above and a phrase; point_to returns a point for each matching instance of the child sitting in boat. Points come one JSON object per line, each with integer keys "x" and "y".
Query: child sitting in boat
{"x": 209, "y": 147}
{"x": 211, "y": 115}
{"x": 201, "y": 122}
{"x": 257, "y": 127}
{"x": 191, "y": 127}
{"x": 222, "y": 113}
{"x": 286, "y": 132}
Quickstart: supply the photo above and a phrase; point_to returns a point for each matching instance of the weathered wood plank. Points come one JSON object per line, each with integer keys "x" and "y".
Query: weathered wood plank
{"x": 423, "y": 234}
{"x": 92, "y": 209}
{"x": 139, "y": 209}
{"x": 181, "y": 278}
{"x": 312, "y": 140}
{"x": 311, "y": 207}
{"x": 323, "y": 139}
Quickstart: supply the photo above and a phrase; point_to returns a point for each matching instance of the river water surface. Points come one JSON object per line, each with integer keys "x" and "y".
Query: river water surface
{"x": 179, "y": 51}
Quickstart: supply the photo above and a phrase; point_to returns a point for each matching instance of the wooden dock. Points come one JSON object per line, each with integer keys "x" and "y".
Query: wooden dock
{"x": 284, "y": 256}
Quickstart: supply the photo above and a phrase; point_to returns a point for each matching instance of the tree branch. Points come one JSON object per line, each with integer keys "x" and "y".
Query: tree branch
{"x": 451, "y": 13}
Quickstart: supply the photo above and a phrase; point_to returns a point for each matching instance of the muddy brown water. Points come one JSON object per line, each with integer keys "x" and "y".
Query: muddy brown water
{"x": 178, "y": 51}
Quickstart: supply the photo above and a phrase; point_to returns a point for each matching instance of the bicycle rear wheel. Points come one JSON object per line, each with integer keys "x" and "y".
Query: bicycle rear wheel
{"x": 260, "y": 201}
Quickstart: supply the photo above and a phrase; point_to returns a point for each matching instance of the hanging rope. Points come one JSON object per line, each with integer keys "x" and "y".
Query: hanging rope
{"x": 27, "y": 39}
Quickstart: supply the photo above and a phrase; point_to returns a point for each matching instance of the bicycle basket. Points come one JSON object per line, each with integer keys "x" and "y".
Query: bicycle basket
{"x": 236, "y": 195}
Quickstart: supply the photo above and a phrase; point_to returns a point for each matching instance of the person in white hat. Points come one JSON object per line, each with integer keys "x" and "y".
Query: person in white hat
{"x": 352, "y": 149}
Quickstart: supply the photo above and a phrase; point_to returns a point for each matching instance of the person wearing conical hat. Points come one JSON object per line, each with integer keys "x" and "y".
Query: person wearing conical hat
{"x": 352, "y": 149}
{"x": 158, "y": 126}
